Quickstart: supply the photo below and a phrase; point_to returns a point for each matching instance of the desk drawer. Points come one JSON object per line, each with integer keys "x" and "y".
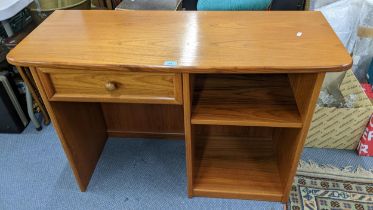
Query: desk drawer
{"x": 111, "y": 86}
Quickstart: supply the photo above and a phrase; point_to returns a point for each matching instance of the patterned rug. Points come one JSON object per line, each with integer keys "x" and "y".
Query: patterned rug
{"x": 325, "y": 187}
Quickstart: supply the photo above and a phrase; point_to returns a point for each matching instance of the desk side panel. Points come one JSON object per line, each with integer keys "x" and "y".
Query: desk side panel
{"x": 189, "y": 143}
{"x": 81, "y": 129}
{"x": 289, "y": 142}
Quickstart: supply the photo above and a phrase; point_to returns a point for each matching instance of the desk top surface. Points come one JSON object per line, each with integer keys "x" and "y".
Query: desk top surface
{"x": 244, "y": 42}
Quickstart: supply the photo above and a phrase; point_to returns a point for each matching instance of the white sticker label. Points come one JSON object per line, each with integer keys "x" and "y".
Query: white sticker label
{"x": 170, "y": 63}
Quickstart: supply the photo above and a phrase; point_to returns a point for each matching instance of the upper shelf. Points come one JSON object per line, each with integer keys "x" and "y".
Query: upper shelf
{"x": 244, "y": 100}
{"x": 204, "y": 42}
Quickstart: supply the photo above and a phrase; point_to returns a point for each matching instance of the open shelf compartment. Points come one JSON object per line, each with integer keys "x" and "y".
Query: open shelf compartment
{"x": 244, "y": 100}
{"x": 245, "y": 132}
{"x": 237, "y": 162}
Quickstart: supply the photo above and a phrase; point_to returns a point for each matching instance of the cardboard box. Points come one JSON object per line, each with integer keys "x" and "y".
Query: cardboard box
{"x": 341, "y": 128}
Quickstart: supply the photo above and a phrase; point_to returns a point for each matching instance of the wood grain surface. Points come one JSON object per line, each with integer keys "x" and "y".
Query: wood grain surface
{"x": 246, "y": 42}
{"x": 189, "y": 140}
{"x": 82, "y": 131}
{"x": 290, "y": 144}
{"x": 244, "y": 100}
{"x": 144, "y": 120}
{"x": 237, "y": 167}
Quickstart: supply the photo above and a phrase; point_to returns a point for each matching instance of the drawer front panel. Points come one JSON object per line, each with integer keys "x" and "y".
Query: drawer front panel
{"x": 111, "y": 86}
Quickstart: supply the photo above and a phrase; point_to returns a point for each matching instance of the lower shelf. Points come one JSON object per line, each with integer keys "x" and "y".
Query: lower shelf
{"x": 237, "y": 167}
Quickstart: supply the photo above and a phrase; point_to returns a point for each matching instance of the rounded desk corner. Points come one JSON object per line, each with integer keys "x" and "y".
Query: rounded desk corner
{"x": 347, "y": 65}
{"x": 10, "y": 58}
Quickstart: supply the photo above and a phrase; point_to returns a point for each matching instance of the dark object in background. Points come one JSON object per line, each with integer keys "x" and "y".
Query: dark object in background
{"x": 6, "y": 43}
{"x": 21, "y": 24}
{"x": 288, "y": 5}
{"x": 3, "y": 32}
{"x": 39, "y": 12}
{"x": 149, "y": 5}
{"x": 190, "y": 4}
{"x": 3, "y": 52}
{"x": 11, "y": 42}
{"x": 12, "y": 106}
{"x": 13, "y": 109}
{"x": 18, "y": 22}
{"x": 276, "y": 4}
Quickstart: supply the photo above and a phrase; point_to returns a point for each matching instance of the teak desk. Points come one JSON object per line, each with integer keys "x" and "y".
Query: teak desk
{"x": 240, "y": 87}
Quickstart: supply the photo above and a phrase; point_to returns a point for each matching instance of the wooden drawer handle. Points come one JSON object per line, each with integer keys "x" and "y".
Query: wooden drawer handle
{"x": 110, "y": 86}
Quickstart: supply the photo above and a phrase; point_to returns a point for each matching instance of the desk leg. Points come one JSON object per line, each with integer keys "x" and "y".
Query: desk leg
{"x": 187, "y": 98}
{"x": 82, "y": 132}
